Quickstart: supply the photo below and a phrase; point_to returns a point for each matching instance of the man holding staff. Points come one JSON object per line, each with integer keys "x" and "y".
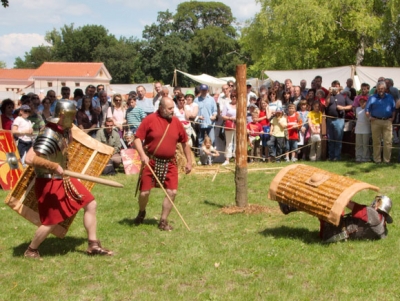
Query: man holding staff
{"x": 59, "y": 197}
{"x": 156, "y": 140}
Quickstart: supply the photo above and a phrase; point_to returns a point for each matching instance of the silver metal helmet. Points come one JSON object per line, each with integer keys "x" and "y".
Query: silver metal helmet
{"x": 383, "y": 204}
{"x": 65, "y": 111}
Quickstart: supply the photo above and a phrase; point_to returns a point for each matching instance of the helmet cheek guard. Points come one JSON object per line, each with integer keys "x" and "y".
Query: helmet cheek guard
{"x": 384, "y": 204}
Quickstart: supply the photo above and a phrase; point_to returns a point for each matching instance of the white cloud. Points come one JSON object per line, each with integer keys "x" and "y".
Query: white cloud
{"x": 16, "y": 44}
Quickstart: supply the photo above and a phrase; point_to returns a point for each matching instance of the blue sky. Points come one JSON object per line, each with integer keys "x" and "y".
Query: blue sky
{"x": 25, "y": 22}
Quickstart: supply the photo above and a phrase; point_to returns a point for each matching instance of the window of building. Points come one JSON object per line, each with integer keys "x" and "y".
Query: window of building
{"x": 77, "y": 84}
{"x": 63, "y": 84}
{"x": 49, "y": 84}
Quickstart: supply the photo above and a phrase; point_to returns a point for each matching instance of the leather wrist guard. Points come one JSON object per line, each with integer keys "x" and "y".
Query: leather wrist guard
{"x": 43, "y": 163}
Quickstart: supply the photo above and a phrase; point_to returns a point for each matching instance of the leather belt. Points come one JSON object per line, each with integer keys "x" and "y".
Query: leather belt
{"x": 49, "y": 176}
{"x": 386, "y": 118}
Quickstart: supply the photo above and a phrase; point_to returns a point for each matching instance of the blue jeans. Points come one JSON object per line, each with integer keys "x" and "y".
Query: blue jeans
{"x": 265, "y": 137}
{"x": 335, "y": 135}
{"x": 202, "y": 134}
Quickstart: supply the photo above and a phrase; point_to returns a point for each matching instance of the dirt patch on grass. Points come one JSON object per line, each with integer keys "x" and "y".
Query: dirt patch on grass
{"x": 249, "y": 209}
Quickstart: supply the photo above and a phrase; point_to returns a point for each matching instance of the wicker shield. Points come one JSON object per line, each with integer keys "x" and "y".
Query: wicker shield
{"x": 315, "y": 191}
{"x": 86, "y": 155}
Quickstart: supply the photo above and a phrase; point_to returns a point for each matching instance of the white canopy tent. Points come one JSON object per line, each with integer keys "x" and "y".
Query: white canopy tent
{"x": 328, "y": 75}
{"x": 370, "y": 75}
{"x": 206, "y": 79}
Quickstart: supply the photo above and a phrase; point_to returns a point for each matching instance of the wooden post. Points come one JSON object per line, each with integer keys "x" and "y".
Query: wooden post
{"x": 241, "y": 137}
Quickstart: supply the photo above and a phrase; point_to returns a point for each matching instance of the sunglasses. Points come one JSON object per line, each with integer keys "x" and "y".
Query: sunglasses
{"x": 230, "y": 85}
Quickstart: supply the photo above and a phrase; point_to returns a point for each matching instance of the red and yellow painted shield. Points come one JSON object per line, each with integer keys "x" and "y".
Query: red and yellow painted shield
{"x": 131, "y": 160}
{"x": 10, "y": 163}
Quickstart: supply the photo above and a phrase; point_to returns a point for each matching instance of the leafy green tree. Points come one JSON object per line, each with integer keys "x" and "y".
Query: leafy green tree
{"x": 35, "y": 57}
{"x": 4, "y": 3}
{"x": 78, "y": 44}
{"x": 164, "y": 49}
{"x": 300, "y": 34}
{"x": 3, "y": 65}
{"x": 122, "y": 60}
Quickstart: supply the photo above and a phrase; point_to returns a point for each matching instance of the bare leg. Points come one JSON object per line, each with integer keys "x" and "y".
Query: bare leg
{"x": 90, "y": 224}
{"x": 167, "y": 206}
{"x": 89, "y": 220}
{"x": 40, "y": 235}
{"x": 143, "y": 199}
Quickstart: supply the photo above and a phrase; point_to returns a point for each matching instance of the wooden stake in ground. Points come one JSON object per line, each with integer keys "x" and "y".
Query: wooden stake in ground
{"x": 241, "y": 137}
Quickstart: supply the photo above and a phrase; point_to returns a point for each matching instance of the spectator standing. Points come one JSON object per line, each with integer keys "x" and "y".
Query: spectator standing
{"x": 276, "y": 144}
{"x": 250, "y": 93}
{"x": 315, "y": 121}
{"x": 380, "y": 109}
{"x": 22, "y": 128}
{"x": 7, "y": 117}
{"x": 134, "y": 115}
{"x": 363, "y": 132}
{"x": 207, "y": 114}
{"x": 86, "y": 117}
{"x": 146, "y": 104}
{"x": 254, "y": 129}
{"x": 349, "y": 87}
{"x": 117, "y": 112}
{"x": 293, "y": 125}
{"x": 263, "y": 119}
{"x": 336, "y": 105}
{"x": 229, "y": 116}
{"x": 303, "y": 88}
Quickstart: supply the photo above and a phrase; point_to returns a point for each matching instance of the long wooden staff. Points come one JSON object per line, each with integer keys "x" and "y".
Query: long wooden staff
{"x": 162, "y": 187}
{"x": 92, "y": 179}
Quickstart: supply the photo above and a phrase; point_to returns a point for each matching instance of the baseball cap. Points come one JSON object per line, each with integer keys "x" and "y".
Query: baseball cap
{"x": 203, "y": 87}
{"x": 252, "y": 106}
{"x": 25, "y": 108}
{"x": 248, "y": 84}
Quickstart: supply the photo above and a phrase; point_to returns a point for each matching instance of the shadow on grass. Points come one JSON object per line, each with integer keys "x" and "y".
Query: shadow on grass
{"x": 129, "y": 222}
{"x": 362, "y": 168}
{"x": 213, "y": 204}
{"x": 53, "y": 246}
{"x": 307, "y": 236}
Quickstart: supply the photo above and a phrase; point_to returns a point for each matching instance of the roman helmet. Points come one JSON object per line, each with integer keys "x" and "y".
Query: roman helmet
{"x": 384, "y": 204}
{"x": 65, "y": 111}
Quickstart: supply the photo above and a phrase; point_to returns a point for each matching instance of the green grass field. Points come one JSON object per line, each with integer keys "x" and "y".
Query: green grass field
{"x": 265, "y": 256}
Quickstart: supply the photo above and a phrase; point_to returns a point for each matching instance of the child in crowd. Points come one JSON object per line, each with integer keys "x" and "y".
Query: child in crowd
{"x": 314, "y": 122}
{"x": 363, "y": 132}
{"x": 263, "y": 119}
{"x": 303, "y": 113}
{"x": 208, "y": 152}
{"x": 250, "y": 110}
{"x": 293, "y": 124}
{"x": 254, "y": 129}
{"x": 134, "y": 115}
{"x": 276, "y": 144}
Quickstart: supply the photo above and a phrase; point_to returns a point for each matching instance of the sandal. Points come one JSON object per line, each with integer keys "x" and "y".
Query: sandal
{"x": 140, "y": 218}
{"x": 32, "y": 253}
{"x": 163, "y": 225}
{"x": 95, "y": 248}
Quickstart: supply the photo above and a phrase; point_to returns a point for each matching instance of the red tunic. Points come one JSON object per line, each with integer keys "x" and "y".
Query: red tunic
{"x": 151, "y": 131}
{"x": 54, "y": 204}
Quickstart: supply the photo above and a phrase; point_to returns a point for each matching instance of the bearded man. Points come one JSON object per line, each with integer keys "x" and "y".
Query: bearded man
{"x": 160, "y": 133}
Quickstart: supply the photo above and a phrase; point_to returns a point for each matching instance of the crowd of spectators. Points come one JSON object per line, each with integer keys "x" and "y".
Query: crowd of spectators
{"x": 284, "y": 121}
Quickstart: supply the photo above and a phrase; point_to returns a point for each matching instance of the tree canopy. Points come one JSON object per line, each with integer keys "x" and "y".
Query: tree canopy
{"x": 298, "y": 34}
{"x": 198, "y": 38}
